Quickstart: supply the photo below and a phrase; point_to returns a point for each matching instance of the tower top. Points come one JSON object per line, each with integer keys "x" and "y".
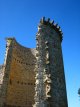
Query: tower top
{"x": 53, "y": 25}
{"x": 10, "y": 38}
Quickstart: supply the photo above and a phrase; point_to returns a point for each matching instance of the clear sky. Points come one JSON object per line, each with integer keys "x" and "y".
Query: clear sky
{"x": 20, "y": 18}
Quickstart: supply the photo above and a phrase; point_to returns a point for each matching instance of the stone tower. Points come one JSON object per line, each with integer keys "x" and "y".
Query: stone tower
{"x": 50, "y": 89}
{"x": 34, "y": 77}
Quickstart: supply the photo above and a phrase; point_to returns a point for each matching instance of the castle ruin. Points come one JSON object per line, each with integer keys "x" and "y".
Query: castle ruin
{"x": 35, "y": 77}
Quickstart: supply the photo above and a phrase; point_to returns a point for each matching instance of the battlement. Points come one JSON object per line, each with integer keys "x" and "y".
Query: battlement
{"x": 34, "y": 76}
{"x": 53, "y": 25}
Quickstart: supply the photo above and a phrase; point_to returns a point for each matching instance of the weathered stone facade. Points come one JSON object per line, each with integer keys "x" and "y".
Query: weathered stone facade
{"x": 19, "y": 81}
{"x": 1, "y": 76}
{"x": 35, "y": 77}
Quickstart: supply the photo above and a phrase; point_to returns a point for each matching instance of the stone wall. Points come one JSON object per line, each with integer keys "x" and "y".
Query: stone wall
{"x": 19, "y": 88}
{"x": 50, "y": 78}
{"x": 1, "y": 76}
{"x": 35, "y": 76}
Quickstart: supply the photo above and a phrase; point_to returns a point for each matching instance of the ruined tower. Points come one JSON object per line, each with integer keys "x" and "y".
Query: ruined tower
{"x": 50, "y": 90}
{"x": 17, "y": 89}
{"x": 35, "y": 77}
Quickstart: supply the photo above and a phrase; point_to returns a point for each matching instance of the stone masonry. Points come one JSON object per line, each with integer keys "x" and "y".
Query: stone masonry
{"x": 35, "y": 77}
{"x": 1, "y": 76}
{"x": 50, "y": 90}
{"x": 18, "y": 81}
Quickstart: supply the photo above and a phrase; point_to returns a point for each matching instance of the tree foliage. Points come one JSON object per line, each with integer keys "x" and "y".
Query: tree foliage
{"x": 79, "y": 91}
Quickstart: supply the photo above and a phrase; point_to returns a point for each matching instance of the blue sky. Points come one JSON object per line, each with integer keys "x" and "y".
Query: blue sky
{"x": 20, "y": 18}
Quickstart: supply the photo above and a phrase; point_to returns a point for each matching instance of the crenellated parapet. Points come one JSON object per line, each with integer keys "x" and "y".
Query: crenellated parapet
{"x": 53, "y": 25}
{"x": 49, "y": 69}
{"x": 35, "y": 76}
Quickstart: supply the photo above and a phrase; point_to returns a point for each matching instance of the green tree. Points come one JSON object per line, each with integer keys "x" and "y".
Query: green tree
{"x": 79, "y": 92}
